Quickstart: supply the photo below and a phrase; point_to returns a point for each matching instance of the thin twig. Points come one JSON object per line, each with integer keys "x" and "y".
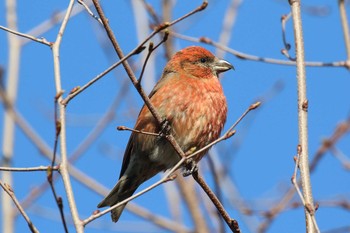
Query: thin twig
{"x": 89, "y": 11}
{"x": 231, "y": 223}
{"x": 122, "y": 128}
{"x": 217, "y": 190}
{"x": 192, "y": 202}
{"x": 57, "y": 130}
{"x": 251, "y": 57}
{"x": 287, "y": 46}
{"x": 33, "y": 38}
{"x": 151, "y": 49}
{"x": 7, "y": 188}
{"x": 294, "y": 177}
{"x": 284, "y": 20}
{"x": 198, "y": 9}
{"x": 57, "y": 198}
{"x": 228, "y": 186}
{"x": 77, "y": 91}
{"x": 307, "y": 207}
{"x": 166, "y": 178}
{"x": 29, "y": 169}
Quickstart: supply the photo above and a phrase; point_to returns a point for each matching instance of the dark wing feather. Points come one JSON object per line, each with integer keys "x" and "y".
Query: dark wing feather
{"x": 127, "y": 155}
{"x": 167, "y": 75}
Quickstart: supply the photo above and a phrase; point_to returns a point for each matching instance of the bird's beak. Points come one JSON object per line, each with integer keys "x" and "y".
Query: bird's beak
{"x": 222, "y": 66}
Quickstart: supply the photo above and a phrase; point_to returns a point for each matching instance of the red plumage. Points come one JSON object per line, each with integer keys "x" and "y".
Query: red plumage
{"x": 190, "y": 97}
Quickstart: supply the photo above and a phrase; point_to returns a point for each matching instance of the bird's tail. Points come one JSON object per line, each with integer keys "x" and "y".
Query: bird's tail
{"x": 125, "y": 188}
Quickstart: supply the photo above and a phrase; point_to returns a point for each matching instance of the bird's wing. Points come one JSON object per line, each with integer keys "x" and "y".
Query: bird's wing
{"x": 127, "y": 154}
{"x": 144, "y": 123}
{"x": 167, "y": 75}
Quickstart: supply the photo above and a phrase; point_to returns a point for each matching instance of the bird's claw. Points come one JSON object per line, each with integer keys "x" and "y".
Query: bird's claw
{"x": 165, "y": 128}
{"x": 190, "y": 168}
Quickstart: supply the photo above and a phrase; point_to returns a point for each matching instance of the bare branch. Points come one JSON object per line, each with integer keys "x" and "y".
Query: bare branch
{"x": 287, "y": 46}
{"x": 33, "y": 38}
{"x": 166, "y": 178}
{"x": 62, "y": 120}
{"x": 7, "y": 188}
{"x": 29, "y": 169}
{"x": 77, "y": 91}
{"x": 122, "y": 128}
{"x": 82, "y": 2}
{"x": 307, "y": 206}
{"x": 49, "y": 177}
{"x": 232, "y": 223}
{"x": 188, "y": 194}
{"x": 151, "y": 48}
{"x": 251, "y": 57}
{"x": 302, "y": 114}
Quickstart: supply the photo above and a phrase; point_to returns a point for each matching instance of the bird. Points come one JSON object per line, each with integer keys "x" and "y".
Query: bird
{"x": 189, "y": 96}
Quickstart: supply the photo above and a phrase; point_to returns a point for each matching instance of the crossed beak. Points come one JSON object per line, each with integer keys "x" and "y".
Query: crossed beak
{"x": 222, "y": 66}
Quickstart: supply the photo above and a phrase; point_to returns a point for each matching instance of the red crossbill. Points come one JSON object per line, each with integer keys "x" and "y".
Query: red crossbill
{"x": 190, "y": 97}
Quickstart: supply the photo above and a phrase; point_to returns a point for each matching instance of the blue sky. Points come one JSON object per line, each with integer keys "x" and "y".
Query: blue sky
{"x": 259, "y": 157}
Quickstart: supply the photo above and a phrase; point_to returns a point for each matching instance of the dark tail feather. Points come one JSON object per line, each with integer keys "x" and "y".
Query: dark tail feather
{"x": 125, "y": 188}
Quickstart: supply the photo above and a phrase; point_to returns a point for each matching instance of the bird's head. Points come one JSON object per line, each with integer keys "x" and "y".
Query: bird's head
{"x": 198, "y": 62}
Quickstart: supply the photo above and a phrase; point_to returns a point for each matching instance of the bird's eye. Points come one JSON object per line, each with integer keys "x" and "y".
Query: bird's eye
{"x": 204, "y": 60}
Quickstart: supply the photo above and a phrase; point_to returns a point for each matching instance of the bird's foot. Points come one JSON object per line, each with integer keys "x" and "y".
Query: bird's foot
{"x": 165, "y": 128}
{"x": 190, "y": 167}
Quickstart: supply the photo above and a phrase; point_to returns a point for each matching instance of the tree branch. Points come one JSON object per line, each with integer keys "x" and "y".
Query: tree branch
{"x": 62, "y": 119}
{"x": 302, "y": 115}
{"x": 7, "y": 188}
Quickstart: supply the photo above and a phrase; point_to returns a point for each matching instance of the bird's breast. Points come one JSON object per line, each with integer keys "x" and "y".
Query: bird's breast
{"x": 198, "y": 114}
{"x": 196, "y": 111}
